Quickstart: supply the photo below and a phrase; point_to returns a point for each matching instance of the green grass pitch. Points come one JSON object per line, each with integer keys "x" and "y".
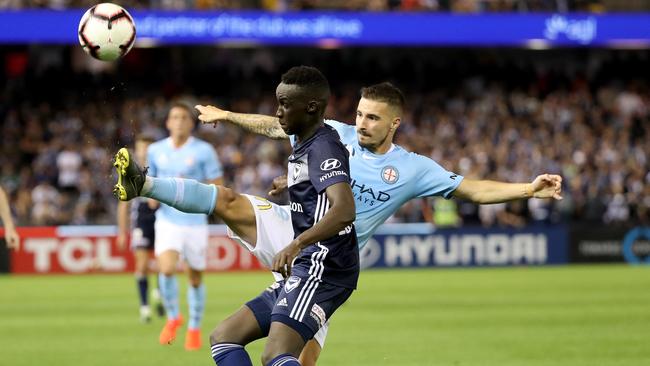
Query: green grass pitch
{"x": 573, "y": 315}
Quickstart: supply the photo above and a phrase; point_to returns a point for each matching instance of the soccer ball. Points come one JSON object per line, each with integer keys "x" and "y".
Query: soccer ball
{"x": 106, "y": 32}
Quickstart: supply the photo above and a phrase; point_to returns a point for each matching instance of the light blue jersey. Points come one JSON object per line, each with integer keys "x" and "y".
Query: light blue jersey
{"x": 381, "y": 184}
{"x": 196, "y": 159}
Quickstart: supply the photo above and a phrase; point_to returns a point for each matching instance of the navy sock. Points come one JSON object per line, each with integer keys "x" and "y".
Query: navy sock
{"x": 230, "y": 354}
{"x": 143, "y": 288}
{"x": 284, "y": 360}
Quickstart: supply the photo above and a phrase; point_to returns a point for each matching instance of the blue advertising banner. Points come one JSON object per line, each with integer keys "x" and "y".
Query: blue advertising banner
{"x": 467, "y": 247}
{"x": 344, "y": 28}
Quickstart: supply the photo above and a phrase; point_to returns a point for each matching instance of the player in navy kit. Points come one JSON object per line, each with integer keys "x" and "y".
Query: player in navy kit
{"x": 321, "y": 264}
{"x": 323, "y": 259}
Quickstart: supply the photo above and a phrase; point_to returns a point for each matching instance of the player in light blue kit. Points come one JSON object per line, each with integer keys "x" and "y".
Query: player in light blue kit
{"x": 384, "y": 176}
{"x": 179, "y": 234}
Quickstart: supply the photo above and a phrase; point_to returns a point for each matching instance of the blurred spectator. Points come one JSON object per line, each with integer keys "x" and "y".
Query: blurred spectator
{"x": 479, "y": 116}
{"x": 45, "y": 201}
{"x": 68, "y": 163}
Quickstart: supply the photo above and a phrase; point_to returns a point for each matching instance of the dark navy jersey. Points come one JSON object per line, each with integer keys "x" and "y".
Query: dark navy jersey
{"x": 316, "y": 164}
{"x": 142, "y": 217}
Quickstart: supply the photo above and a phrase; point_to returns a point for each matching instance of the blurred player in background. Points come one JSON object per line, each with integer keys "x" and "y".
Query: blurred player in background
{"x": 384, "y": 176}
{"x": 180, "y": 235}
{"x": 135, "y": 221}
{"x": 11, "y": 236}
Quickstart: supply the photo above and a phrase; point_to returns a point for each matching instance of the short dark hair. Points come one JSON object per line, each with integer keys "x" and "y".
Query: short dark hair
{"x": 186, "y": 106}
{"x": 385, "y": 92}
{"x": 307, "y": 76}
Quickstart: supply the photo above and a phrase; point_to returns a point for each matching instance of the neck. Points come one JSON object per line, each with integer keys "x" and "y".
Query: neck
{"x": 179, "y": 141}
{"x": 383, "y": 147}
{"x": 309, "y": 131}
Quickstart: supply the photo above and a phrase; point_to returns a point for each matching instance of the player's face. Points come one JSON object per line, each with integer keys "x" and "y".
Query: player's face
{"x": 375, "y": 123}
{"x": 180, "y": 122}
{"x": 141, "y": 151}
{"x": 292, "y": 108}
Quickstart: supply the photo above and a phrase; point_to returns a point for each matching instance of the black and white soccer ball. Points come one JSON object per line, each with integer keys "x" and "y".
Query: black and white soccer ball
{"x": 106, "y": 32}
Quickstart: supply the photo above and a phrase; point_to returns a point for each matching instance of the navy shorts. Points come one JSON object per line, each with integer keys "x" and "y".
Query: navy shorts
{"x": 302, "y": 305}
{"x": 143, "y": 238}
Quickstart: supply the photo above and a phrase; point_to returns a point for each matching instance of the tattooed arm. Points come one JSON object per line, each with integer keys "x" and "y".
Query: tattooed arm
{"x": 255, "y": 123}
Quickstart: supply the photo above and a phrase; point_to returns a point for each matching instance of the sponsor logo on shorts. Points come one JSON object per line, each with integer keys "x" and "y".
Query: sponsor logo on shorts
{"x": 318, "y": 314}
{"x": 263, "y": 203}
{"x": 292, "y": 284}
{"x": 283, "y": 302}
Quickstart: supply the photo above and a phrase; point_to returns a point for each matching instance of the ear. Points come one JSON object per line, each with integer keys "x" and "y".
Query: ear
{"x": 396, "y": 122}
{"x": 312, "y": 106}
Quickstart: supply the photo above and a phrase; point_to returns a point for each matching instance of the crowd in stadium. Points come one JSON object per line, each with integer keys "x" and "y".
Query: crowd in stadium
{"x": 509, "y": 124}
{"x": 370, "y": 5}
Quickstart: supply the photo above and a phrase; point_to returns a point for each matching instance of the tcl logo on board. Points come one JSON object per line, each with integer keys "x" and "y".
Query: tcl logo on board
{"x": 88, "y": 254}
{"x": 72, "y": 255}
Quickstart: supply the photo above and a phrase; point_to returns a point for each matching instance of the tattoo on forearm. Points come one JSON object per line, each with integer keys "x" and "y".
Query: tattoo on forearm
{"x": 262, "y": 125}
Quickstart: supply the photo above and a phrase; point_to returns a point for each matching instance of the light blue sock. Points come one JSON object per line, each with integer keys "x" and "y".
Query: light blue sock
{"x": 169, "y": 295}
{"x": 196, "y": 303}
{"x": 187, "y": 195}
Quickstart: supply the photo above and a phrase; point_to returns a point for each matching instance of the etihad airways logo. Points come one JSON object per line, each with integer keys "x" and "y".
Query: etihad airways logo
{"x": 365, "y": 194}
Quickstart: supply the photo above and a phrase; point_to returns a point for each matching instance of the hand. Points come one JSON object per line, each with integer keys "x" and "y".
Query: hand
{"x": 12, "y": 238}
{"x": 547, "y": 186}
{"x": 153, "y": 204}
{"x": 283, "y": 260}
{"x": 121, "y": 241}
{"x": 279, "y": 185}
{"x": 211, "y": 114}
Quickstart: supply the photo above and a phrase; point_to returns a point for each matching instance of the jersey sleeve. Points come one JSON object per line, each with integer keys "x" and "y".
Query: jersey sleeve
{"x": 212, "y": 168}
{"x": 328, "y": 165}
{"x": 151, "y": 161}
{"x": 434, "y": 180}
{"x": 346, "y": 132}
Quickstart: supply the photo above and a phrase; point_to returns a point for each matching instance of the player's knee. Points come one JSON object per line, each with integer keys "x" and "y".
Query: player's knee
{"x": 167, "y": 271}
{"x": 307, "y": 359}
{"x": 224, "y": 332}
{"x": 268, "y": 356}
{"x": 225, "y": 197}
{"x": 195, "y": 282}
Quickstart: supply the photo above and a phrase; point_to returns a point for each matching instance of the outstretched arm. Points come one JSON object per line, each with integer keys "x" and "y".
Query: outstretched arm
{"x": 11, "y": 236}
{"x": 487, "y": 191}
{"x": 255, "y": 123}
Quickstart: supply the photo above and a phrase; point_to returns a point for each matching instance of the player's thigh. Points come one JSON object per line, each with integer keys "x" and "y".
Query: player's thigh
{"x": 282, "y": 339}
{"x": 168, "y": 261}
{"x": 241, "y": 328}
{"x": 141, "y": 256}
{"x": 274, "y": 229}
{"x": 168, "y": 245}
{"x": 195, "y": 247}
{"x": 310, "y": 353}
{"x": 237, "y": 212}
